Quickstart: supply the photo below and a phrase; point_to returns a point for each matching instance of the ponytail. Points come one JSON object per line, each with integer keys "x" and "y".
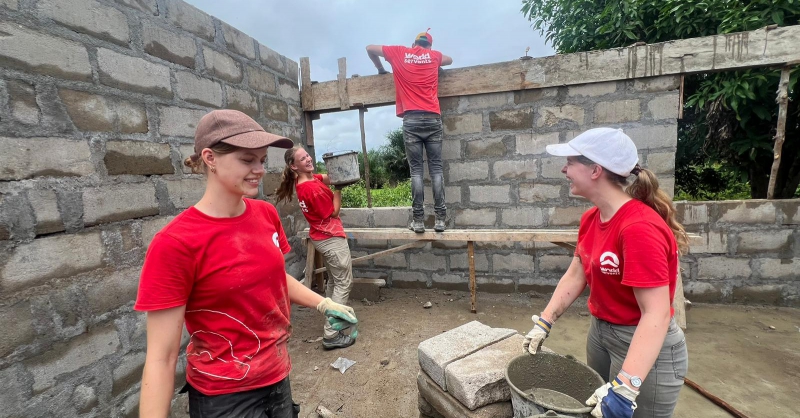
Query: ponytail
{"x": 285, "y": 190}
{"x": 645, "y": 188}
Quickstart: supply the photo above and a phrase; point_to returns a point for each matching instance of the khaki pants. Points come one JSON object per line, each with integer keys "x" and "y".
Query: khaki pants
{"x": 336, "y": 254}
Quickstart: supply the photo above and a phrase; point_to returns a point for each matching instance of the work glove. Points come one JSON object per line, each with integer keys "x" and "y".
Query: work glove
{"x": 613, "y": 400}
{"x": 535, "y": 338}
{"x": 339, "y": 316}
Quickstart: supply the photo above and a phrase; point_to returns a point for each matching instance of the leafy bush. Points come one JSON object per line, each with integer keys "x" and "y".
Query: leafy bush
{"x": 355, "y": 196}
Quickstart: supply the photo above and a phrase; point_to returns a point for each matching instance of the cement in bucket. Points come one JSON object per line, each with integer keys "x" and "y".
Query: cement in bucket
{"x": 342, "y": 167}
{"x": 550, "y": 382}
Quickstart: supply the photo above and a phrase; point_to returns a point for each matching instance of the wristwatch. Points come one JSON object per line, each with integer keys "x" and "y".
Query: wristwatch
{"x": 636, "y": 381}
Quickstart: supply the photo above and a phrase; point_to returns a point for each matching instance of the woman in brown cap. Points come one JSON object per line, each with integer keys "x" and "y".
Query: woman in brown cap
{"x": 218, "y": 268}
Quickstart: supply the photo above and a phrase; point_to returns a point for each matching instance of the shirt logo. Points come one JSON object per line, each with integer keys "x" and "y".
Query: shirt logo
{"x": 303, "y": 206}
{"x": 609, "y": 263}
{"x": 418, "y": 59}
{"x": 275, "y": 240}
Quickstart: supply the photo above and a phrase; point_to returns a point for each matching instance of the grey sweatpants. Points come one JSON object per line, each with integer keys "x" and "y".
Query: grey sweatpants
{"x": 336, "y": 254}
{"x": 606, "y": 348}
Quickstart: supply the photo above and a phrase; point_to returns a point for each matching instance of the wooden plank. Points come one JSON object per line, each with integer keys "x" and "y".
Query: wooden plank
{"x": 309, "y": 263}
{"x": 679, "y": 303}
{"x": 498, "y": 235}
{"x": 758, "y": 48}
{"x": 306, "y": 93}
{"x": 319, "y": 277}
{"x": 341, "y": 81}
{"x": 381, "y": 253}
{"x": 473, "y": 291}
{"x": 366, "y": 157}
{"x": 308, "y": 123}
{"x": 780, "y": 134}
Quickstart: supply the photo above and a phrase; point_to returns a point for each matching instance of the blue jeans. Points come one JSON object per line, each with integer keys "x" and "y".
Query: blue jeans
{"x": 606, "y": 348}
{"x": 273, "y": 401}
{"x": 424, "y": 130}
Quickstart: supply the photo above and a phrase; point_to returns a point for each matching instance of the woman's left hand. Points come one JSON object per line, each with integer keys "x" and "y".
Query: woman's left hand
{"x": 613, "y": 400}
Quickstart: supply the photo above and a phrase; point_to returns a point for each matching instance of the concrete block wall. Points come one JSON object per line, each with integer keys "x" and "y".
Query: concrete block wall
{"x": 99, "y": 100}
{"x": 498, "y": 175}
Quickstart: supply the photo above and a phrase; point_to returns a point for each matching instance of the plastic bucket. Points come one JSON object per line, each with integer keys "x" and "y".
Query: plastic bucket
{"x": 342, "y": 167}
{"x": 539, "y": 382}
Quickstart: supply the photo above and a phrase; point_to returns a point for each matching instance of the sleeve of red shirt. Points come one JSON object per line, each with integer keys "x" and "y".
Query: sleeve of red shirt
{"x": 319, "y": 177}
{"x": 167, "y": 275}
{"x": 390, "y": 53}
{"x": 276, "y": 220}
{"x": 644, "y": 250}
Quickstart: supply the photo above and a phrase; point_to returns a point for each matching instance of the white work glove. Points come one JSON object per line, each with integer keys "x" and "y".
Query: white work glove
{"x": 618, "y": 402}
{"x": 339, "y": 316}
{"x": 535, "y": 338}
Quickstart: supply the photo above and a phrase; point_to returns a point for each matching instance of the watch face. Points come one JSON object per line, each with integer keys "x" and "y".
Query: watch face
{"x": 636, "y": 382}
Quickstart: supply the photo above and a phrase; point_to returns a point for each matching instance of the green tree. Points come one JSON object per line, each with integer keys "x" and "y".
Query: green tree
{"x": 730, "y": 118}
{"x": 394, "y": 156}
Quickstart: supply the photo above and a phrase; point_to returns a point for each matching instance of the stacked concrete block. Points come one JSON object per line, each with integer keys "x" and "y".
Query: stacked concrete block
{"x": 99, "y": 101}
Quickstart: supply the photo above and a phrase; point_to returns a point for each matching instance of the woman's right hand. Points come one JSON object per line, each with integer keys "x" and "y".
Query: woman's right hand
{"x": 535, "y": 338}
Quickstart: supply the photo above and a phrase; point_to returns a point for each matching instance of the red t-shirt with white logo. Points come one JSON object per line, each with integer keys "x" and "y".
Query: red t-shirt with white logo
{"x": 316, "y": 202}
{"x": 230, "y": 274}
{"x": 416, "y": 77}
{"x": 635, "y": 248}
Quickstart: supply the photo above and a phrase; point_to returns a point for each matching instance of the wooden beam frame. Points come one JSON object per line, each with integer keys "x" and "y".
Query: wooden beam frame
{"x": 765, "y": 47}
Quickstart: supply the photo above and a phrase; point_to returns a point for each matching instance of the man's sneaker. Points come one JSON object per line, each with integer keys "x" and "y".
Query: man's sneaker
{"x": 417, "y": 226}
{"x": 439, "y": 226}
{"x": 339, "y": 341}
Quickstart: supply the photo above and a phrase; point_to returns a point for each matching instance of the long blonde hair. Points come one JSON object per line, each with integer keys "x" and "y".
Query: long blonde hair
{"x": 285, "y": 190}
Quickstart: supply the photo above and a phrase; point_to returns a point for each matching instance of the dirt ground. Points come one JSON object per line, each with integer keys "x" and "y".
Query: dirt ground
{"x": 733, "y": 352}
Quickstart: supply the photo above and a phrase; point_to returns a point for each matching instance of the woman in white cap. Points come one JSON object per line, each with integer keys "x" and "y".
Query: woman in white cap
{"x": 218, "y": 268}
{"x": 628, "y": 252}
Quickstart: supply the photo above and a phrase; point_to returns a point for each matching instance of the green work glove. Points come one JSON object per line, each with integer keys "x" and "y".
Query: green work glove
{"x": 339, "y": 316}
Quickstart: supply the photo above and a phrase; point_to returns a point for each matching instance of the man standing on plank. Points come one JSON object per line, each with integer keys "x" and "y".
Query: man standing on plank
{"x": 416, "y": 81}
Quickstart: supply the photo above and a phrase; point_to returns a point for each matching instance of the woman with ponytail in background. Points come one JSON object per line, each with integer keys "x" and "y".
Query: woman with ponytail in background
{"x": 627, "y": 253}
{"x": 321, "y": 208}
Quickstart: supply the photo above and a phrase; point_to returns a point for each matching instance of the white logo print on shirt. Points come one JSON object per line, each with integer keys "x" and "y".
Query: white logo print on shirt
{"x": 609, "y": 263}
{"x": 418, "y": 59}
{"x": 275, "y": 240}
{"x": 303, "y": 206}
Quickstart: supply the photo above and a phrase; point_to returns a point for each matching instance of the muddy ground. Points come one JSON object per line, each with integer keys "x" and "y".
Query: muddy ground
{"x": 733, "y": 352}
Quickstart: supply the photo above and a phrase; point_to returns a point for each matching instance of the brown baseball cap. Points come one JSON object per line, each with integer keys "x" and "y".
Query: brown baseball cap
{"x": 234, "y": 128}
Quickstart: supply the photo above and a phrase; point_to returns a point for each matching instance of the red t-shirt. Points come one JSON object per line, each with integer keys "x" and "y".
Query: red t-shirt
{"x": 416, "y": 77}
{"x": 635, "y": 248}
{"x": 316, "y": 201}
{"x": 230, "y": 274}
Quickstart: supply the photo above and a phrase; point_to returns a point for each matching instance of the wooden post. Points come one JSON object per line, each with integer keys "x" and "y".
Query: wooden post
{"x": 361, "y": 112}
{"x": 307, "y": 99}
{"x": 680, "y": 102}
{"x": 344, "y": 100}
{"x": 473, "y": 297}
{"x": 319, "y": 277}
{"x": 679, "y": 303}
{"x": 780, "y": 134}
{"x": 309, "y": 263}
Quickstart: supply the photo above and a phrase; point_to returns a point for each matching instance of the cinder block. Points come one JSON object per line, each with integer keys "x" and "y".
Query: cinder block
{"x": 515, "y": 119}
{"x": 275, "y": 109}
{"x": 657, "y": 84}
{"x": 391, "y": 217}
{"x": 112, "y": 291}
{"x": 664, "y": 106}
{"x": 18, "y": 327}
{"x": 460, "y": 261}
{"x": 490, "y": 194}
{"x": 565, "y": 216}
{"x": 652, "y": 137}
{"x": 593, "y": 89}
{"x": 534, "y": 95}
{"x": 555, "y": 263}
{"x": 189, "y": 18}
{"x": 151, "y": 226}
{"x": 486, "y": 148}
{"x": 185, "y": 192}
{"x": 433, "y": 400}
{"x": 369, "y": 289}
{"x": 552, "y": 116}
{"x": 661, "y": 163}
{"x": 437, "y": 353}
{"x": 451, "y": 149}
{"x": 260, "y": 80}
{"x": 288, "y": 90}
{"x": 479, "y": 379}
{"x": 755, "y": 242}
{"x": 186, "y": 151}
{"x": 512, "y": 262}
{"x": 790, "y": 211}
{"x": 242, "y": 100}
{"x": 752, "y": 212}
{"x": 79, "y": 352}
{"x": 147, "y": 6}
{"x": 538, "y": 192}
{"x": 45, "y": 209}
{"x": 237, "y": 41}
{"x": 702, "y": 291}
{"x": 22, "y": 102}
{"x": 451, "y": 281}
{"x": 355, "y": 217}
{"x": 407, "y": 279}
{"x": 475, "y": 170}
{"x": 465, "y": 218}
{"x": 198, "y": 90}
{"x": 372, "y": 243}
{"x": 127, "y": 373}
{"x": 692, "y": 213}
{"x": 133, "y": 74}
{"x": 394, "y": 260}
{"x": 292, "y": 71}
{"x": 617, "y": 111}
{"x": 468, "y": 123}
{"x": 46, "y": 258}
{"x": 523, "y": 217}
{"x": 26, "y": 50}
{"x": 178, "y": 121}
{"x": 95, "y": 113}
{"x": 776, "y": 268}
{"x": 551, "y": 167}
{"x": 534, "y": 144}
{"x": 170, "y": 46}
{"x": 221, "y": 65}
{"x": 714, "y": 242}
{"x": 137, "y": 157}
{"x": 116, "y": 203}
{"x": 769, "y": 294}
{"x": 89, "y": 17}
{"x": 272, "y": 59}
{"x": 487, "y": 101}
{"x": 714, "y": 268}
{"x": 24, "y": 158}
{"x": 516, "y": 169}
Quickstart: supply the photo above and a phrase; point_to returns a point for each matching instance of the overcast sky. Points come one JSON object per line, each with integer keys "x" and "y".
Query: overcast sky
{"x": 472, "y": 32}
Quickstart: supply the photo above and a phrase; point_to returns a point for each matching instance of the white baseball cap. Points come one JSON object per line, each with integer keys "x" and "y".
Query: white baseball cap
{"x": 609, "y": 147}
